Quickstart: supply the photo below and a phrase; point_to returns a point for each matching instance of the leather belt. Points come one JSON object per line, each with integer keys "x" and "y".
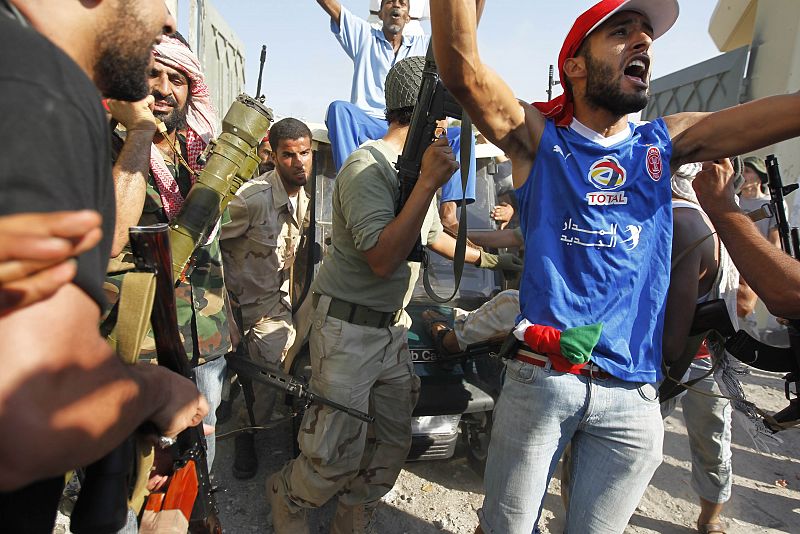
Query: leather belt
{"x": 540, "y": 360}
{"x": 360, "y": 315}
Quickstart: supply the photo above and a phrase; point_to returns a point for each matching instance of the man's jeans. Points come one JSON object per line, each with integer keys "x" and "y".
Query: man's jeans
{"x": 616, "y": 432}
{"x": 708, "y": 423}
{"x": 210, "y": 377}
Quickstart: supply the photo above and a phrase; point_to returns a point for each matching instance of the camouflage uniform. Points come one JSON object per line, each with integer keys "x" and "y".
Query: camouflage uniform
{"x": 365, "y": 366}
{"x": 200, "y": 304}
{"x": 259, "y": 244}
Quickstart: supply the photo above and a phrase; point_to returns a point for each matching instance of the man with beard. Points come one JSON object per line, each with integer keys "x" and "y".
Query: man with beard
{"x": 65, "y": 397}
{"x": 153, "y": 173}
{"x": 594, "y": 199}
{"x": 259, "y": 244}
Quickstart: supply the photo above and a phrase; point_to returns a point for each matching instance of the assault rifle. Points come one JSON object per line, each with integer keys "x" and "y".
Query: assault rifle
{"x": 151, "y": 250}
{"x": 271, "y": 376}
{"x": 790, "y": 242}
{"x": 433, "y": 104}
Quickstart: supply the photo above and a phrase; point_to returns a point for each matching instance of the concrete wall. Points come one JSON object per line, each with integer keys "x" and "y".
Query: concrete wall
{"x": 771, "y": 29}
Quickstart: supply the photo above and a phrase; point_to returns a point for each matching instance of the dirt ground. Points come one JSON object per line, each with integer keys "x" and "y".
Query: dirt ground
{"x": 436, "y": 497}
{"x": 442, "y": 496}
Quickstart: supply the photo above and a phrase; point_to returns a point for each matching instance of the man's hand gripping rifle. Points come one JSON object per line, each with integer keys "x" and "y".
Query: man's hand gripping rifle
{"x": 434, "y": 104}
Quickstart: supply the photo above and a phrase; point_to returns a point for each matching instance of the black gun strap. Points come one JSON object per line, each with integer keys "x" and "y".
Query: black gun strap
{"x": 461, "y": 240}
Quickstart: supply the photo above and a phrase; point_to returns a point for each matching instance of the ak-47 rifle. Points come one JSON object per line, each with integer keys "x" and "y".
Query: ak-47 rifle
{"x": 151, "y": 249}
{"x": 273, "y": 377}
{"x": 434, "y": 104}
{"x": 790, "y": 242}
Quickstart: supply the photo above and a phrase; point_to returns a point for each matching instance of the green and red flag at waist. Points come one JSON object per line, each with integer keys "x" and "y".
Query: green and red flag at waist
{"x": 568, "y": 350}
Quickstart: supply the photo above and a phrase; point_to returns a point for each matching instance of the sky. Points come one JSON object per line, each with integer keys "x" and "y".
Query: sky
{"x": 306, "y": 68}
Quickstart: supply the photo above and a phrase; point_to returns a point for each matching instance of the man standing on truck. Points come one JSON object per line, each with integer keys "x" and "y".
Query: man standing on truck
{"x": 359, "y": 334}
{"x": 374, "y": 51}
{"x": 595, "y": 211}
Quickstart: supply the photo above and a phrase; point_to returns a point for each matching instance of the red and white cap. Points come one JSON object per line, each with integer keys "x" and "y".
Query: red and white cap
{"x": 662, "y": 14}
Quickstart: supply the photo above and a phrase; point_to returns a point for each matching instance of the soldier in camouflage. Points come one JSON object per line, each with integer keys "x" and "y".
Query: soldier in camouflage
{"x": 259, "y": 244}
{"x": 153, "y": 172}
{"x": 359, "y": 334}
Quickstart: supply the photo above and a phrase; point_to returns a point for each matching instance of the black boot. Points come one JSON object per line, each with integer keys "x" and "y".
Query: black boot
{"x": 245, "y": 463}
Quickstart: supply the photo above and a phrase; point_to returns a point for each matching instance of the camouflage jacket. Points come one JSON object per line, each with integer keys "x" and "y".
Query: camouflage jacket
{"x": 201, "y": 303}
{"x": 259, "y": 244}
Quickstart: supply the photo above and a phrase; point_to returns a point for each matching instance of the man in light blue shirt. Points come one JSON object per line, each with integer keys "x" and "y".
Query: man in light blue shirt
{"x": 374, "y": 51}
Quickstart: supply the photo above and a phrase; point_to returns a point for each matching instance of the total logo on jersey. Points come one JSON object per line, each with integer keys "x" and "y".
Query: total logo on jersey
{"x": 607, "y": 174}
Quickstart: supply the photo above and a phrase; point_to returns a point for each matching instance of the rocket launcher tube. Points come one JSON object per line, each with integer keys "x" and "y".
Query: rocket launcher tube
{"x": 233, "y": 160}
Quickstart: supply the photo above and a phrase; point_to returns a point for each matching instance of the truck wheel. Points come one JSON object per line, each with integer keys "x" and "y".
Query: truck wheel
{"x": 301, "y": 370}
{"x": 476, "y": 429}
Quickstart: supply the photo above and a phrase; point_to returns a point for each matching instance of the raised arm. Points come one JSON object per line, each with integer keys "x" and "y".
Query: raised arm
{"x": 332, "y": 8}
{"x": 729, "y": 132}
{"x": 132, "y": 165}
{"x": 772, "y": 274}
{"x": 398, "y": 237}
{"x": 511, "y": 125}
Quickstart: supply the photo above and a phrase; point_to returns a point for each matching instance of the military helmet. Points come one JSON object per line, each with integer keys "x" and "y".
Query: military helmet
{"x": 403, "y": 83}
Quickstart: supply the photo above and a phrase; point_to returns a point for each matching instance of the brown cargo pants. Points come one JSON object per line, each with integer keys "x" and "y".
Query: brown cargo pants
{"x": 368, "y": 369}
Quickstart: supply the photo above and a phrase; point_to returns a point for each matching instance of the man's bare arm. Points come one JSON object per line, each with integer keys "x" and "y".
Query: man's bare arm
{"x": 729, "y": 132}
{"x": 772, "y": 274}
{"x": 398, "y": 237}
{"x": 683, "y": 289}
{"x": 512, "y": 126}
{"x": 445, "y": 245}
{"x": 332, "y": 8}
{"x": 132, "y": 166}
{"x": 66, "y": 399}
{"x": 496, "y": 238}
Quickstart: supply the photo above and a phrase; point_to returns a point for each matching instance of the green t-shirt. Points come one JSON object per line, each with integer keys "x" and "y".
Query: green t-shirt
{"x": 365, "y": 196}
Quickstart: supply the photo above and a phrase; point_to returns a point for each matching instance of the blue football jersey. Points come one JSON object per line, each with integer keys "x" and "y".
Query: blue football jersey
{"x": 597, "y": 224}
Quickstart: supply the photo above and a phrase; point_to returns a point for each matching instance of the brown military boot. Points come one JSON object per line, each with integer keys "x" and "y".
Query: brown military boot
{"x": 284, "y": 521}
{"x": 357, "y": 519}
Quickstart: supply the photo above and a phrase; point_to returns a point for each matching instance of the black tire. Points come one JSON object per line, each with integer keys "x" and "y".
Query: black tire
{"x": 301, "y": 370}
{"x": 476, "y": 429}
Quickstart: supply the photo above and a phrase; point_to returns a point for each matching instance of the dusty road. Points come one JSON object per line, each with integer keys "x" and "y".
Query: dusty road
{"x": 437, "y": 497}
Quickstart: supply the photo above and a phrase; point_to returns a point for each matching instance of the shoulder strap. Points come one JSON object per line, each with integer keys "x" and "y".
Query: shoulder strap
{"x": 133, "y": 317}
{"x": 461, "y": 239}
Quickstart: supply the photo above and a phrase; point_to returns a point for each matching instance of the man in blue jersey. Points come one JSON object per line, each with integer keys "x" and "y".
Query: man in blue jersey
{"x": 595, "y": 212}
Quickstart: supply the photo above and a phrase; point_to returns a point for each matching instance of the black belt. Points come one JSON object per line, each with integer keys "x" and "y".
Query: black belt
{"x": 360, "y": 315}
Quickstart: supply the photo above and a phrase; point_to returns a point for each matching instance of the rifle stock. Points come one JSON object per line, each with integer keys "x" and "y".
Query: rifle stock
{"x": 151, "y": 250}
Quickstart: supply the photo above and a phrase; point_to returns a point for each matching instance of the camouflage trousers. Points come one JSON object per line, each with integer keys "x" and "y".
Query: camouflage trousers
{"x": 368, "y": 369}
{"x": 495, "y": 317}
{"x": 267, "y": 342}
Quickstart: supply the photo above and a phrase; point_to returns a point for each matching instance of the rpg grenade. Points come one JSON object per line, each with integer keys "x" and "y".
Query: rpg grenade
{"x": 230, "y": 160}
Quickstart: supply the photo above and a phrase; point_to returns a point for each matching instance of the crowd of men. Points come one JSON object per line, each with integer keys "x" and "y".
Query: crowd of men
{"x": 590, "y": 313}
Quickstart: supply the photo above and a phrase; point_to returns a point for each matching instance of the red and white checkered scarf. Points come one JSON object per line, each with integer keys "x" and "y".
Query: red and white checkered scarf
{"x": 201, "y": 120}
